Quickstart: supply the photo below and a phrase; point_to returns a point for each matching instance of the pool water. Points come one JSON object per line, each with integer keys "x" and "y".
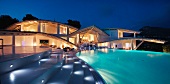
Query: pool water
{"x": 129, "y": 66}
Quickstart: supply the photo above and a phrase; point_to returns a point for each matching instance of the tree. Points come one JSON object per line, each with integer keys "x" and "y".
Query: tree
{"x": 74, "y": 23}
{"x": 29, "y": 17}
{"x": 6, "y": 21}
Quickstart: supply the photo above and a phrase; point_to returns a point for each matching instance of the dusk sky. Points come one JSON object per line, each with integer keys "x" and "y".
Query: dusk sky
{"x": 128, "y": 14}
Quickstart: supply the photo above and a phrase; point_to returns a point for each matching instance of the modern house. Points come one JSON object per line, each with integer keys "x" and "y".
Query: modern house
{"x": 19, "y": 58}
{"x": 48, "y": 33}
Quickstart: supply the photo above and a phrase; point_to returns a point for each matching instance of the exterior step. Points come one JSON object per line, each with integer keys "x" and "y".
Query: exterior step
{"x": 62, "y": 76}
{"x": 28, "y": 73}
{"x": 77, "y": 77}
{"x": 88, "y": 77}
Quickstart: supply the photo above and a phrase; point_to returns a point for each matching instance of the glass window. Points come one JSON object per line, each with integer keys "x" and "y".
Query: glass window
{"x": 63, "y": 29}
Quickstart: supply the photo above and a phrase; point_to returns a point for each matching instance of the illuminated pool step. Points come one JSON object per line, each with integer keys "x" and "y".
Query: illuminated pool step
{"x": 77, "y": 77}
{"x": 88, "y": 77}
{"x": 28, "y": 73}
{"x": 62, "y": 76}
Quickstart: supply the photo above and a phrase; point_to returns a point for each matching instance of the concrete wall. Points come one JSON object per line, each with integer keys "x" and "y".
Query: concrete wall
{"x": 23, "y": 40}
{"x": 120, "y": 34}
{"x": 50, "y": 28}
{"x": 7, "y": 40}
{"x": 52, "y": 41}
{"x": 125, "y": 44}
{"x": 112, "y": 33}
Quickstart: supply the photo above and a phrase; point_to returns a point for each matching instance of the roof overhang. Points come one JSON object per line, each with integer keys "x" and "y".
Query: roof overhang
{"x": 123, "y": 30}
{"x": 91, "y": 28}
{"x": 141, "y": 39}
{"x": 36, "y": 21}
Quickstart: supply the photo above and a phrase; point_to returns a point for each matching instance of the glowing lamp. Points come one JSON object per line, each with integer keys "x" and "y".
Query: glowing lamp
{"x": 11, "y": 65}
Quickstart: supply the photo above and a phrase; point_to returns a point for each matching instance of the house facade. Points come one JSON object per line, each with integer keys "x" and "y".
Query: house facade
{"x": 48, "y": 33}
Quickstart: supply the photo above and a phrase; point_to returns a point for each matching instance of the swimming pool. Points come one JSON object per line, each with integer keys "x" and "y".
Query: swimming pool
{"x": 129, "y": 66}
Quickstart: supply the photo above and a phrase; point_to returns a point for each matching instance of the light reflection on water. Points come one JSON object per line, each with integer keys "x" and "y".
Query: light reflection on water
{"x": 107, "y": 75}
{"x": 130, "y": 67}
{"x": 153, "y": 55}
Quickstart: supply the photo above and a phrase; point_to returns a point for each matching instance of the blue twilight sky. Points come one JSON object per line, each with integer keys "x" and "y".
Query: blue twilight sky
{"x": 129, "y": 14}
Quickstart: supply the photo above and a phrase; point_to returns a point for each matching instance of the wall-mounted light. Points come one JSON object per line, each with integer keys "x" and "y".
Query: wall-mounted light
{"x": 35, "y": 44}
{"x": 77, "y": 62}
{"x": 11, "y": 65}
{"x": 78, "y": 72}
{"x": 53, "y": 43}
{"x": 97, "y": 82}
{"x": 42, "y": 81}
{"x": 89, "y": 78}
{"x": 67, "y": 66}
{"x": 84, "y": 66}
{"x": 91, "y": 69}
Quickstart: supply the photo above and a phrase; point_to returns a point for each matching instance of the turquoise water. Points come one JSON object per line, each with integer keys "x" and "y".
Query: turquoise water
{"x": 129, "y": 67}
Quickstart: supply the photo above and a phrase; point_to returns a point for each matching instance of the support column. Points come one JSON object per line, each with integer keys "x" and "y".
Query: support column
{"x": 68, "y": 30}
{"x": 22, "y": 27}
{"x": 67, "y": 38}
{"x": 34, "y": 41}
{"x": 79, "y": 38}
{"x": 39, "y": 27}
{"x": 13, "y": 44}
{"x": 13, "y": 40}
{"x": 43, "y": 28}
{"x": 67, "y": 33}
{"x": 131, "y": 44}
{"x": 134, "y": 35}
{"x": 110, "y": 44}
{"x": 58, "y": 28}
{"x": 97, "y": 36}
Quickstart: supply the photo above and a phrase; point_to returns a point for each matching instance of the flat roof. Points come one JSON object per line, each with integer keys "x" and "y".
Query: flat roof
{"x": 124, "y": 30}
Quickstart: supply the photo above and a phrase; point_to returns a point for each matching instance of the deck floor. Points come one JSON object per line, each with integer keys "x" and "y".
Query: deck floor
{"x": 14, "y": 52}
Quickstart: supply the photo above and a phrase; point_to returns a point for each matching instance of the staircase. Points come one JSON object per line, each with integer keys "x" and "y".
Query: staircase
{"x": 72, "y": 72}
{"x": 55, "y": 69}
